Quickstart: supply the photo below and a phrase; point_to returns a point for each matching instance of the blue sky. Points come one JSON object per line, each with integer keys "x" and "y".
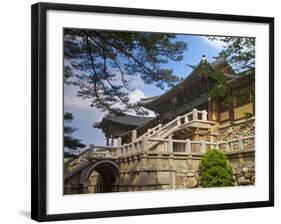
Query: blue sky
{"x": 85, "y": 116}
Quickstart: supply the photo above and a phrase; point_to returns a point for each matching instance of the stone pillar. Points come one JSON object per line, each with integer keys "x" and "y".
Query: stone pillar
{"x": 134, "y": 135}
{"x": 241, "y": 160}
{"x": 188, "y": 146}
{"x": 142, "y": 173}
{"x": 91, "y": 151}
{"x": 119, "y": 141}
{"x": 170, "y": 144}
{"x": 189, "y": 157}
{"x": 119, "y": 149}
{"x": 194, "y": 114}
{"x": 186, "y": 119}
{"x": 227, "y": 147}
{"x": 124, "y": 153}
{"x": 178, "y": 121}
{"x": 204, "y": 115}
{"x": 240, "y": 144}
{"x": 172, "y": 171}
{"x": 133, "y": 147}
{"x": 203, "y": 147}
{"x": 144, "y": 143}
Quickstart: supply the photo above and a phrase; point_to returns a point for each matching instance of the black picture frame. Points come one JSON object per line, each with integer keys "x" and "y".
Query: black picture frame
{"x": 39, "y": 107}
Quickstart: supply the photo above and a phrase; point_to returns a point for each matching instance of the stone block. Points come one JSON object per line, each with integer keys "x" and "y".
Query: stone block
{"x": 191, "y": 182}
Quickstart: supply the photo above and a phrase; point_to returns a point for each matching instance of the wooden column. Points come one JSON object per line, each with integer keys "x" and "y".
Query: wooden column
{"x": 231, "y": 111}
{"x": 210, "y": 109}
{"x": 107, "y": 141}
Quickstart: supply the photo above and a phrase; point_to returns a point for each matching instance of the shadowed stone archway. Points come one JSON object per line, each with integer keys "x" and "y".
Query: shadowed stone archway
{"x": 105, "y": 174}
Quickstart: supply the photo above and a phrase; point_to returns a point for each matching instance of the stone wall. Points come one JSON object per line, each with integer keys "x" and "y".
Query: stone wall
{"x": 244, "y": 176}
{"x": 179, "y": 171}
{"x": 235, "y": 129}
{"x": 163, "y": 169}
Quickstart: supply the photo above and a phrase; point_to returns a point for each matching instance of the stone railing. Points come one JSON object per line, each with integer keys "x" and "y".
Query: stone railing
{"x": 159, "y": 132}
{"x": 91, "y": 153}
{"x": 168, "y": 145}
{"x": 194, "y": 115}
{"x": 106, "y": 152}
{"x": 189, "y": 146}
{"x": 161, "y": 135}
{"x": 150, "y": 132}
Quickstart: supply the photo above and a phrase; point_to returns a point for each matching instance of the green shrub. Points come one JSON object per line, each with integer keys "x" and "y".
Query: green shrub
{"x": 214, "y": 170}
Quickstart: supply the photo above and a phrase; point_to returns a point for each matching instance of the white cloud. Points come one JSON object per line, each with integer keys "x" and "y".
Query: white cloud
{"x": 217, "y": 44}
{"x": 135, "y": 81}
{"x": 136, "y": 95}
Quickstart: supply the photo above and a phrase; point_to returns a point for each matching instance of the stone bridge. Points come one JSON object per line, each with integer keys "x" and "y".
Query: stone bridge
{"x": 165, "y": 157}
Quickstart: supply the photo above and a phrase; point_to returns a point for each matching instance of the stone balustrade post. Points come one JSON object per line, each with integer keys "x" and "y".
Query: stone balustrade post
{"x": 148, "y": 131}
{"x": 185, "y": 119}
{"x": 188, "y": 146}
{"x": 240, "y": 143}
{"x": 138, "y": 146}
{"x": 178, "y": 121}
{"x": 129, "y": 151}
{"x": 194, "y": 114}
{"x": 144, "y": 143}
{"x": 119, "y": 141}
{"x": 227, "y": 147}
{"x": 204, "y": 115}
{"x": 170, "y": 144}
{"x": 91, "y": 151}
{"x": 124, "y": 150}
{"x": 119, "y": 144}
{"x": 134, "y": 135}
{"x": 133, "y": 147}
{"x": 203, "y": 147}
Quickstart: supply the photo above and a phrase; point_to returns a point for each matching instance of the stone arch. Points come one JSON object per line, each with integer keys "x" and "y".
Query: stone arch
{"x": 108, "y": 172}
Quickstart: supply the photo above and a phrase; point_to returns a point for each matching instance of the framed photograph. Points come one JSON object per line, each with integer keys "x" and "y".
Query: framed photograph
{"x": 139, "y": 111}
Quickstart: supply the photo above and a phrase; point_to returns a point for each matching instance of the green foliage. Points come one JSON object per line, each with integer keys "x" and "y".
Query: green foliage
{"x": 214, "y": 170}
{"x": 248, "y": 115}
{"x": 101, "y": 63}
{"x": 240, "y": 53}
{"x": 69, "y": 141}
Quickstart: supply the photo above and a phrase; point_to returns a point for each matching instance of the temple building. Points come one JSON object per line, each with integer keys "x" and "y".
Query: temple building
{"x": 190, "y": 93}
{"x": 165, "y": 151}
{"x": 118, "y": 126}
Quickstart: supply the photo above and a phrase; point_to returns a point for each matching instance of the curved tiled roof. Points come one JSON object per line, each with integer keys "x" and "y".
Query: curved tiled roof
{"x": 125, "y": 119}
{"x": 182, "y": 85}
